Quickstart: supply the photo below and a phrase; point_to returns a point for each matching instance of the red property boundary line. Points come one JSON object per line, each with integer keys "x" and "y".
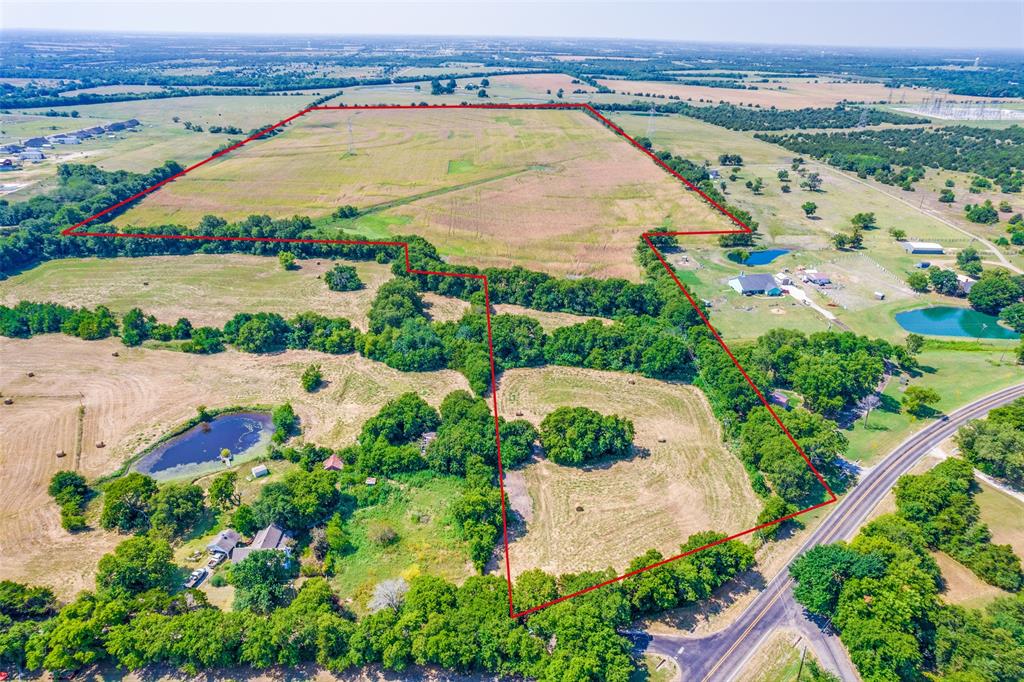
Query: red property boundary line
{"x": 742, "y": 228}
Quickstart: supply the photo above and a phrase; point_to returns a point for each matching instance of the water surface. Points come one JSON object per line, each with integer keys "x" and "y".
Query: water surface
{"x": 953, "y": 321}
{"x": 238, "y": 432}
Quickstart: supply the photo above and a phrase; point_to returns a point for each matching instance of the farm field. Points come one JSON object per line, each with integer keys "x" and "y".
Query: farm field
{"x": 206, "y": 288}
{"x": 131, "y": 400}
{"x": 549, "y": 190}
{"x": 687, "y": 484}
{"x": 793, "y": 93}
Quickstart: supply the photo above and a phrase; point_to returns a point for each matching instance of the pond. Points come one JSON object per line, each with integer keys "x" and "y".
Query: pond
{"x": 241, "y": 433}
{"x": 953, "y": 321}
{"x": 764, "y": 257}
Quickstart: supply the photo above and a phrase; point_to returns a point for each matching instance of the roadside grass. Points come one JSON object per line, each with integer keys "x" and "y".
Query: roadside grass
{"x": 959, "y": 372}
{"x": 961, "y": 586}
{"x": 416, "y": 508}
{"x": 778, "y": 659}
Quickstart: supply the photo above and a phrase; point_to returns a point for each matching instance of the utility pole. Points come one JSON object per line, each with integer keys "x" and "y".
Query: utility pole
{"x": 800, "y": 670}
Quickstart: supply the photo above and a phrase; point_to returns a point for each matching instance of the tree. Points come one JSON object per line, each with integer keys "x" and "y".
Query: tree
{"x": 260, "y": 580}
{"x": 223, "y": 493}
{"x": 176, "y": 508}
{"x": 287, "y": 260}
{"x": 1013, "y": 315}
{"x": 944, "y": 281}
{"x": 864, "y": 221}
{"x": 918, "y": 281}
{"x": 70, "y": 491}
{"x": 286, "y": 423}
{"x": 312, "y": 378}
{"x": 126, "y": 503}
{"x": 574, "y": 435}
{"x": 914, "y": 343}
{"x": 966, "y": 257}
{"x": 343, "y": 278}
{"x": 809, "y": 208}
{"x": 136, "y": 565}
{"x": 984, "y": 214}
{"x": 821, "y": 572}
{"x": 947, "y": 196}
{"x": 898, "y": 234}
{"x": 994, "y": 291}
{"x": 388, "y": 594}
{"x": 812, "y": 183}
{"x": 400, "y": 421}
{"x": 916, "y": 398}
{"x": 840, "y": 240}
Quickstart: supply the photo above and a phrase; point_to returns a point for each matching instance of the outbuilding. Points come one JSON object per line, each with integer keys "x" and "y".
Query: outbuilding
{"x": 224, "y": 543}
{"x": 260, "y": 470}
{"x": 922, "y": 247}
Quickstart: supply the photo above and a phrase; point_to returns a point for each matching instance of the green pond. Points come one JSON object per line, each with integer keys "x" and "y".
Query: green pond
{"x": 954, "y": 321}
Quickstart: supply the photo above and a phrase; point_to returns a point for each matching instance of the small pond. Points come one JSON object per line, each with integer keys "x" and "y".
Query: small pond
{"x": 764, "y": 257}
{"x": 953, "y": 321}
{"x": 242, "y": 433}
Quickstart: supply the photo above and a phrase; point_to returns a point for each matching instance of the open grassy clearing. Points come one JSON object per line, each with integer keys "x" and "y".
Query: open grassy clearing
{"x": 206, "y": 288}
{"x": 688, "y": 483}
{"x": 1004, "y": 516}
{"x": 550, "y": 190}
{"x": 418, "y": 512}
{"x": 130, "y": 401}
{"x": 959, "y": 376}
{"x": 961, "y": 586}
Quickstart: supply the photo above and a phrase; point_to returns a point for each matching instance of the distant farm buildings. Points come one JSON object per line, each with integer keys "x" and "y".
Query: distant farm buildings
{"x": 76, "y": 137}
{"x": 922, "y": 247}
{"x": 751, "y": 285}
{"x": 31, "y": 155}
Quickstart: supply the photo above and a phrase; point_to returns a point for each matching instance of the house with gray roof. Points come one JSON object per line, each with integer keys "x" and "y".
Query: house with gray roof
{"x": 751, "y": 285}
{"x": 225, "y": 542}
{"x": 272, "y": 537}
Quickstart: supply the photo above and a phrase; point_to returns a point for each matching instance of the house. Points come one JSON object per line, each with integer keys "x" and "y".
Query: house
{"x": 749, "y": 285}
{"x": 35, "y": 142}
{"x": 334, "y": 463}
{"x": 95, "y": 130}
{"x": 922, "y": 247}
{"x": 260, "y": 470}
{"x": 272, "y": 537}
{"x": 965, "y": 284}
{"x": 225, "y": 541}
{"x": 31, "y": 155}
{"x": 779, "y": 398}
{"x": 11, "y": 149}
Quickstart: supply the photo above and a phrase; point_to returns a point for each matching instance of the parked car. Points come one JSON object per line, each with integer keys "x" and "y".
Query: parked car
{"x": 196, "y": 577}
{"x": 215, "y": 560}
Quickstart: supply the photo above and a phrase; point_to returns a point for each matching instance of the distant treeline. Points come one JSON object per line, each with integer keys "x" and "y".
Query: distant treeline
{"x": 997, "y": 154}
{"x": 736, "y": 117}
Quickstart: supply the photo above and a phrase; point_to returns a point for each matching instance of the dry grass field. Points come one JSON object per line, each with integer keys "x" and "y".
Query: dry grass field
{"x": 689, "y": 483}
{"x": 961, "y": 586}
{"x": 793, "y": 93}
{"x": 208, "y": 289}
{"x": 551, "y": 190}
{"x": 131, "y": 400}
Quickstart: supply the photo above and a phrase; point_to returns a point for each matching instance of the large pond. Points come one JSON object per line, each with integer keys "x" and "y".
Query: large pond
{"x": 953, "y": 321}
{"x": 764, "y": 257}
{"x": 241, "y": 433}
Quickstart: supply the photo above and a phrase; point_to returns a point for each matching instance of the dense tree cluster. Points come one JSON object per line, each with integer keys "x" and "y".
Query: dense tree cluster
{"x": 882, "y": 590}
{"x": 990, "y": 152}
{"x": 578, "y": 435}
{"x": 343, "y": 278}
{"x": 70, "y": 491}
{"x": 996, "y": 445}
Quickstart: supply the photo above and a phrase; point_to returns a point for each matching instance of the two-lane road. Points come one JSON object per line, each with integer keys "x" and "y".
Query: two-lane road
{"x": 721, "y": 656}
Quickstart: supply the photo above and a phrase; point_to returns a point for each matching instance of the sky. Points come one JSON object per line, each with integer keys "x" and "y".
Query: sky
{"x": 965, "y": 24}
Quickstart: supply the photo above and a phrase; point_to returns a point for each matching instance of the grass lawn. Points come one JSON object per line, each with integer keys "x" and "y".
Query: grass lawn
{"x": 1004, "y": 515}
{"x": 959, "y": 376}
{"x": 778, "y": 659}
{"x": 962, "y": 587}
{"x": 417, "y": 510}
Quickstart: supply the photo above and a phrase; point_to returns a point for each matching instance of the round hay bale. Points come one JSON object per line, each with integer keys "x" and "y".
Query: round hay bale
{"x": 61, "y": 453}
{"x": 116, "y": 354}
{"x": 661, "y": 440}
{"x": 8, "y": 401}
{"x": 632, "y": 382}
{"x": 579, "y": 508}
{"x": 31, "y": 374}
{"x": 519, "y": 414}
{"x": 101, "y": 444}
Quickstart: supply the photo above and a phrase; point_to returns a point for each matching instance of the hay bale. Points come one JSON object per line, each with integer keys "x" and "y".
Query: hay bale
{"x": 8, "y": 401}
{"x": 61, "y": 453}
{"x": 101, "y": 444}
{"x": 31, "y": 374}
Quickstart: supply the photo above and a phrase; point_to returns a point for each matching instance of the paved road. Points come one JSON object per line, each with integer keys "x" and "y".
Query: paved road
{"x": 722, "y": 655}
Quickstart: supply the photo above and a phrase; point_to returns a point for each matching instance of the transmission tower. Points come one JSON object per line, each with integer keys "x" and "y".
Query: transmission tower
{"x": 650, "y": 123}
{"x": 863, "y": 122}
{"x": 351, "y": 141}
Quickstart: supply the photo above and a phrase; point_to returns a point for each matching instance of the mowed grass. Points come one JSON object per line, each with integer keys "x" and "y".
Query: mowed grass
{"x": 688, "y": 483}
{"x": 417, "y": 509}
{"x": 958, "y": 374}
{"x": 550, "y": 190}
{"x": 961, "y": 586}
{"x": 1004, "y": 515}
{"x": 206, "y": 288}
{"x": 777, "y": 659}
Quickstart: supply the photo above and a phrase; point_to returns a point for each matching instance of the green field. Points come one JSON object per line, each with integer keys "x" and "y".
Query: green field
{"x": 416, "y": 508}
{"x": 959, "y": 376}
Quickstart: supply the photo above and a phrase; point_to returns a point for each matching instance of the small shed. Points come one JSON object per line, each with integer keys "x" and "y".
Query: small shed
{"x": 371, "y": 481}
{"x": 260, "y": 470}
